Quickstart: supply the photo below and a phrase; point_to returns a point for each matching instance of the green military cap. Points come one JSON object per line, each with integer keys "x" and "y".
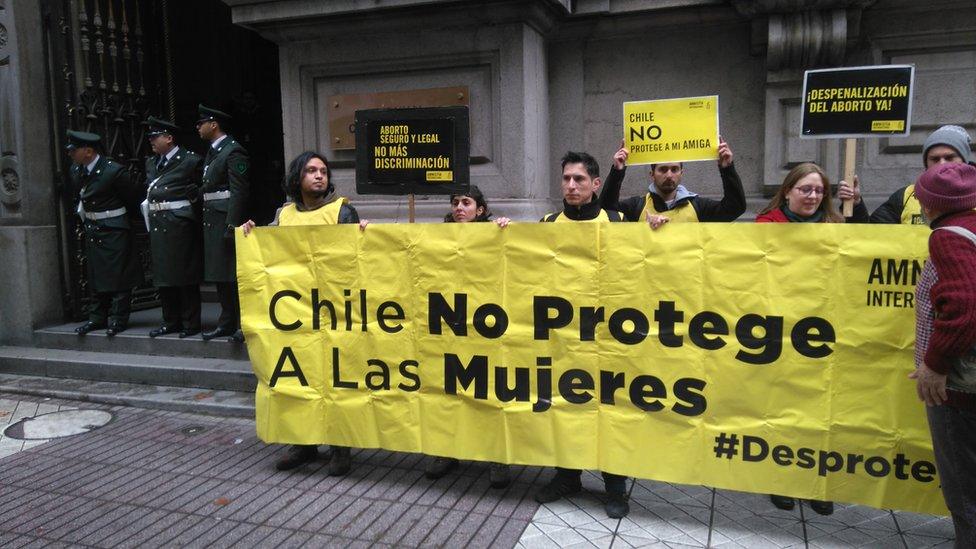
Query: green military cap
{"x": 207, "y": 114}
{"x": 82, "y": 139}
{"x": 159, "y": 127}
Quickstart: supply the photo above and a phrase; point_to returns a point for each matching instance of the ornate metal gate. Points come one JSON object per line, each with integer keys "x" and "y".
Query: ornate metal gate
{"x": 108, "y": 70}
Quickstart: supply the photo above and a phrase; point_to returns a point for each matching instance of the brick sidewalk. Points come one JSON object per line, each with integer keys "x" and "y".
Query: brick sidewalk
{"x": 164, "y": 479}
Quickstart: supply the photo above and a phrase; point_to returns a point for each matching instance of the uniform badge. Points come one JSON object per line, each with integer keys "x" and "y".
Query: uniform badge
{"x": 242, "y": 167}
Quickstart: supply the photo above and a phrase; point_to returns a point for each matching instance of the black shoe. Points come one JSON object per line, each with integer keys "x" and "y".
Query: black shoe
{"x": 783, "y": 502}
{"x": 163, "y": 330}
{"x": 558, "y": 488}
{"x": 822, "y": 507}
{"x": 499, "y": 475}
{"x": 88, "y": 327}
{"x": 191, "y": 332}
{"x": 341, "y": 461}
{"x": 617, "y": 506}
{"x": 216, "y": 332}
{"x": 297, "y": 455}
{"x": 115, "y": 328}
{"x": 238, "y": 336}
{"x": 439, "y": 467}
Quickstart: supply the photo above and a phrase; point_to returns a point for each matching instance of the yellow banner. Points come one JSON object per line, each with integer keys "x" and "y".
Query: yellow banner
{"x": 763, "y": 358}
{"x": 671, "y": 130}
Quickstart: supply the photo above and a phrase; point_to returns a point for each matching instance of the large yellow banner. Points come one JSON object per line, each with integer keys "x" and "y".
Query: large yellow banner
{"x": 671, "y": 130}
{"x": 764, "y": 358}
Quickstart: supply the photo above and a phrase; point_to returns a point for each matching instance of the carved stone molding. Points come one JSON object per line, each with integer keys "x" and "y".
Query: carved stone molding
{"x": 802, "y": 34}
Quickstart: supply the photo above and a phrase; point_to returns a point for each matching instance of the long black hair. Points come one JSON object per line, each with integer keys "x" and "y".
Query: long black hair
{"x": 292, "y": 185}
{"x": 479, "y": 199}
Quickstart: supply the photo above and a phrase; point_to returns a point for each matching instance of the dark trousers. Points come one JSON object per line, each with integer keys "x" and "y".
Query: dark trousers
{"x": 230, "y": 307}
{"x": 181, "y": 306}
{"x": 954, "y": 439}
{"x": 110, "y": 307}
{"x": 614, "y": 484}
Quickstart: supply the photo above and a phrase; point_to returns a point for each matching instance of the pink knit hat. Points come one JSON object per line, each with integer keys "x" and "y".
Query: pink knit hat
{"x": 947, "y": 187}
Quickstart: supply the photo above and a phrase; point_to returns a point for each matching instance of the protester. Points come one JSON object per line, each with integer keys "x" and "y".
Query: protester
{"x": 465, "y": 208}
{"x": 668, "y": 200}
{"x": 804, "y": 197}
{"x": 580, "y": 182}
{"x": 313, "y": 201}
{"x": 945, "y": 348}
{"x": 945, "y": 145}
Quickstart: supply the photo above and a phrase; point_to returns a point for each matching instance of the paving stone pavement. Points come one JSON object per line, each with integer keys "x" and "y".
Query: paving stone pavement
{"x": 168, "y": 479}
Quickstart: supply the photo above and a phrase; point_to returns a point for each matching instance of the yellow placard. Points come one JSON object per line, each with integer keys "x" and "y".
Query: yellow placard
{"x": 764, "y": 358}
{"x": 671, "y": 130}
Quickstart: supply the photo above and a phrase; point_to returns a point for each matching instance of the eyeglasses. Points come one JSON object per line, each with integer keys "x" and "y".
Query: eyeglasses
{"x": 808, "y": 190}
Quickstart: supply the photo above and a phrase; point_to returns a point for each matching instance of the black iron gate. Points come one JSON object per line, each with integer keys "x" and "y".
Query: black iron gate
{"x": 108, "y": 64}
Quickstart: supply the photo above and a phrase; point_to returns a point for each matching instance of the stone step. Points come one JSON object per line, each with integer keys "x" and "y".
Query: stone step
{"x": 172, "y": 371}
{"x": 136, "y": 341}
{"x": 175, "y": 399}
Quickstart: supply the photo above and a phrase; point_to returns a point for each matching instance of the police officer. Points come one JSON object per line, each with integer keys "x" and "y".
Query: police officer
{"x": 103, "y": 194}
{"x": 225, "y": 191}
{"x": 173, "y": 219}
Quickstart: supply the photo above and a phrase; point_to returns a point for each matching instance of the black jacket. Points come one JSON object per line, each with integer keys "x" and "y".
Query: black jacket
{"x": 729, "y": 208}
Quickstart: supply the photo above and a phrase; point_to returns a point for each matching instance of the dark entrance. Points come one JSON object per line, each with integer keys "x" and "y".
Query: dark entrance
{"x": 113, "y": 63}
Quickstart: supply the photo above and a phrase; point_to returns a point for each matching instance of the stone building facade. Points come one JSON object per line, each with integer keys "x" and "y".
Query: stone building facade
{"x": 543, "y": 77}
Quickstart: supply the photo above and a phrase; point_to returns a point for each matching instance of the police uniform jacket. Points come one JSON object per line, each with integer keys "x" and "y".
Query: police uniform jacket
{"x": 113, "y": 264}
{"x": 175, "y": 236}
{"x": 224, "y": 170}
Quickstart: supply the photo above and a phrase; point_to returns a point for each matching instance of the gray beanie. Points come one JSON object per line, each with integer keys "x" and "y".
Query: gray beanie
{"x": 952, "y": 136}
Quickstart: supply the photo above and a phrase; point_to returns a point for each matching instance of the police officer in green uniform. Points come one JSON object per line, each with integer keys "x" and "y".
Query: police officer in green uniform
{"x": 172, "y": 213}
{"x": 224, "y": 191}
{"x": 103, "y": 194}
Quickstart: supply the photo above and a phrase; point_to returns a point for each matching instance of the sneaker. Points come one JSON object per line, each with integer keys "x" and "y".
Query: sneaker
{"x": 297, "y": 455}
{"x": 617, "y": 506}
{"x": 822, "y": 507}
{"x": 499, "y": 475}
{"x": 783, "y": 502}
{"x": 341, "y": 461}
{"x": 439, "y": 467}
{"x": 559, "y": 487}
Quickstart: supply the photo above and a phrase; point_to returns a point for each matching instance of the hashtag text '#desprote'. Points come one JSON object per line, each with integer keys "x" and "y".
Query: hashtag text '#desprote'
{"x": 755, "y": 449}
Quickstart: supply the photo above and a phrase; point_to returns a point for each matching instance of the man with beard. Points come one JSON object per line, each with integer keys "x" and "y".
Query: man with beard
{"x": 668, "y": 200}
{"x": 314, "y": 201}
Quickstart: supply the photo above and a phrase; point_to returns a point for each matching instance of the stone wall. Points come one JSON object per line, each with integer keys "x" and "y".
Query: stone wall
{"x": 547, "y": 76}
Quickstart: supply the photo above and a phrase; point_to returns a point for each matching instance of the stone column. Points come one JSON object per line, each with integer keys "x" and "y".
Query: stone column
{"x": 30, "y": 295}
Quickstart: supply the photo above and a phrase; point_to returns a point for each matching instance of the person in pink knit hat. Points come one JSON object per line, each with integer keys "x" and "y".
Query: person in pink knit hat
{"x": 945, "y": 333}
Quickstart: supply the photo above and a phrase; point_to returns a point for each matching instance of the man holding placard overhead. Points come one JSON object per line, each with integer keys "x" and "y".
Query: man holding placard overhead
{"x": 668, "y": 200}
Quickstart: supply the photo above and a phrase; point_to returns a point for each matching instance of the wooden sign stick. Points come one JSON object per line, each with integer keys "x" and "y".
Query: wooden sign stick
{"x": 411, "y": 208}
{"x": 850, "y": 159}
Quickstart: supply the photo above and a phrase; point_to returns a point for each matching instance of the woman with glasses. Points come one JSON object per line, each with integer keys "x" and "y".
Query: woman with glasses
{"x": 804, "y": 197}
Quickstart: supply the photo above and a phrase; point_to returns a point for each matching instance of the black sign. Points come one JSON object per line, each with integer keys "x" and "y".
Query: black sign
{"x": 857, "y": 102}
{"x": 412, "y": 151}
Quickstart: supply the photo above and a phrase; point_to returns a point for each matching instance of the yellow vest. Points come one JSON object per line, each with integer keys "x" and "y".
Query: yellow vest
{"x": 911, "y": 211}
{"x": 685, "y": 213}
{"x": 326, "y": 215}
{"x": 602, "y": 218}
